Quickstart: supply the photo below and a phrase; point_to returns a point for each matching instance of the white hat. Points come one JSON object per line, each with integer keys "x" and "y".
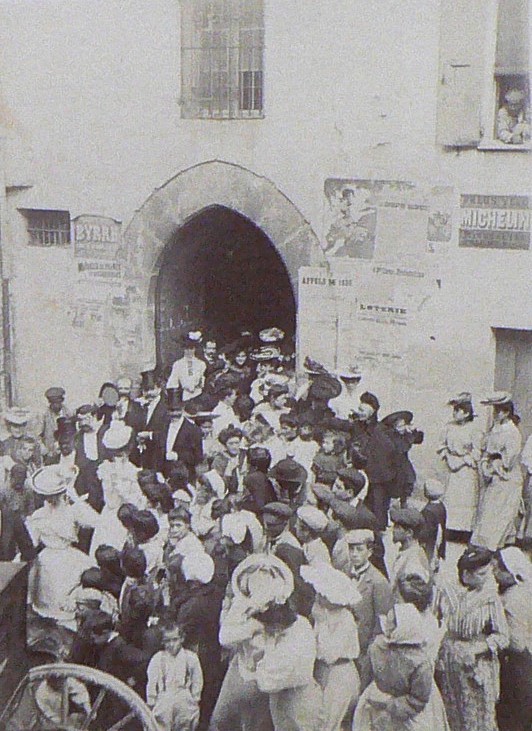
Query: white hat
{"x": 17, "y": 416}
{"x": 274, "y": 579}
{"x": 314, "y": 518}
{"x": 434, "y": 489}
{"x": 331, "y": 584}
{"x": 198, "y": 566}
{"x": 117, "y": 436}
{"x": 49, "y": 480}
{"x": 234, "y": 527}
{"x": 517, "y": 563}
{"x": 182, "y": 496}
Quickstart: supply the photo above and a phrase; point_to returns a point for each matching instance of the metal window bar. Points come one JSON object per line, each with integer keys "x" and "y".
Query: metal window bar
{"x": 222, "y": 69}
{"x": 48, "y": 228}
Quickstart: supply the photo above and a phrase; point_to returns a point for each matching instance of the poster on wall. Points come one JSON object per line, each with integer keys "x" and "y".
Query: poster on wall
{"x": 495, "y": 221}
{"x": 385, "y": 219}
{"x": 361, "y": 315}
{"x": 97, "y": 240}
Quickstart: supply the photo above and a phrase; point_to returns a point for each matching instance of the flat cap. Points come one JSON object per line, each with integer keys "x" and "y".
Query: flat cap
{"x": 54, "y": 393}
{"x": 278, "y": 510}
{"x": 359, "y": 535}
{"x": 311, "y": 516}
{"x": 407, "y": 517}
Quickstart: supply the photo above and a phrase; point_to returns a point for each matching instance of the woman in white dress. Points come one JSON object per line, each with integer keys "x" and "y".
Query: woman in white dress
{"x": 460, "y": 451}
{"x": 502, "y": 479}
{"x": 120, "y": 485}
{"x": 59, "y": 566}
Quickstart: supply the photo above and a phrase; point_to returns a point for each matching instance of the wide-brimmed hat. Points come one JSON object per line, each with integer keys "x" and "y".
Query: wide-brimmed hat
{"x": 333, "y": 585}
{"x": 325, "y": 387}
{"x": 275, "y": 582}
{"x": 271, "y": 335}
{"x": 117, "y": 436}
{"x": 370, "y": 399}
{"x": 49, "y": 481}
{"x": 392, "y": 419}
{"x": 313, "y": 368}
{"x": 498, "y": 398}
{"x": 464, "y": 397}
{"x": 352, "y": 373}
{"x": 17, "y": 417}
{"x": 266, "y": 353}
{"x": 288, "y": 470}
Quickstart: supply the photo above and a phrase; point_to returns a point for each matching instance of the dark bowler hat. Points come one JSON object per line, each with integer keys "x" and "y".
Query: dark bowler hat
{"x": 280, "y": 511}
{"x": 392, "y": 419}
{"x": 288, "y": 470}
{"x": 352, "y": 479}
{"x": 371, "y": 400}
{"x": 150, "y": 379}
{"x": 325, "y": 387}
{"x": 407, "y": 517}
{"x": 474, "y": 557}
{"x": 174, "y": 399}
{"x": 65, "y": 428}
{"x": 55, "y": 393}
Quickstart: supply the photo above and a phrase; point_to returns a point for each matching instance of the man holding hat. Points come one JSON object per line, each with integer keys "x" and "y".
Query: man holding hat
{"x": 375, "y": 591}
{"x": 408, "y": 526}
{"x": 154, "y": 419}
{"x": 56, "y": 410}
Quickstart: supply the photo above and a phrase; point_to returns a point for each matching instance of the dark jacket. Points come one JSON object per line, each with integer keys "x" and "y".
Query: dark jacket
{"x": 145, "y": 456}
{"x": 14, "y": 536}
{"x": 435, "y": 515}
{"x": 188, "y": 445}
{"x": 260, "y": 489}
{"x": 405, "y": 474}
{"x": 373, "y": 440}
{"x": 87, "y": 481}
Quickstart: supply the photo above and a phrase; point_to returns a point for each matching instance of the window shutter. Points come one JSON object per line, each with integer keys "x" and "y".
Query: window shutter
{"x": 513, "y": 27}
{"x": 462, "y": 41}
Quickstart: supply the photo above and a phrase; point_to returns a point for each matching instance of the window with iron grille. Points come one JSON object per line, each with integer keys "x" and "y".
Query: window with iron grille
{"x": 222, "y": 45}
{"x": 47, "y": 228}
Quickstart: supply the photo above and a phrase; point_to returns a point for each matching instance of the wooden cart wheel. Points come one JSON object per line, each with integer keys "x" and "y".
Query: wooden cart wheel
{"x": 101, "y": 687}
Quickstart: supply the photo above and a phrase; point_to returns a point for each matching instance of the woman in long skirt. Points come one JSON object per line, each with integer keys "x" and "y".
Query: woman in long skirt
{"x": 460, "y": 451}
{"x": 501, "y": 493}
{"x": 467, "y": 668}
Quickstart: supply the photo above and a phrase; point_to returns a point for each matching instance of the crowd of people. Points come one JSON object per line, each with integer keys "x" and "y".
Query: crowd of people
{"x": 218, "y": 541}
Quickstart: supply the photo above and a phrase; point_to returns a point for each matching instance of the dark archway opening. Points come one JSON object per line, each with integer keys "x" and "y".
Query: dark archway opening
{"x": 222, "y": 274}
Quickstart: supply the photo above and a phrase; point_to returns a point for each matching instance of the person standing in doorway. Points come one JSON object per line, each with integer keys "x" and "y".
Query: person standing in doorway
{"x": 188, "y": 373}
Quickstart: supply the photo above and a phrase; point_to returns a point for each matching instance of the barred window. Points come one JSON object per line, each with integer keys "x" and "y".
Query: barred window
{"x": 222, "y": 59}
{"x": 47, "y": 228}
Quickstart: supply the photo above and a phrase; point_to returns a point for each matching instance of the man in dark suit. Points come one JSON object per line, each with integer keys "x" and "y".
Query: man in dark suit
{"x": 89, "y": 454}
{"x": 155, "y": 420}
{"x": 179, "y": 441}
{"x": 14, "y": 537}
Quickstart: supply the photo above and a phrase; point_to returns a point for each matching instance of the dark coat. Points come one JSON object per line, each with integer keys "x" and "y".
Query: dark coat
{"x": 435, "y": 515}
{"x": 146, "y": 457}
{"x": 373, "y": 440}
{"x": 260, "y": 489}
{"x": 14, "y": 536}
{"x": 405, "y": 474}
{"x": 188, "y": 446}
{"x": 87, "y": 481}
{"x": 135, "y": 416}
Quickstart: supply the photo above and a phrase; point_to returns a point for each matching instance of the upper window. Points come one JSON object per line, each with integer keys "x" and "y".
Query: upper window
{"x": 484, "y": 94}
{"x": 47, "y": 228}
{"x": 222, "y": 44}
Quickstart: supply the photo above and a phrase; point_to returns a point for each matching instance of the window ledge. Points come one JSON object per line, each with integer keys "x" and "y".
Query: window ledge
{"x": 497, "y": 146}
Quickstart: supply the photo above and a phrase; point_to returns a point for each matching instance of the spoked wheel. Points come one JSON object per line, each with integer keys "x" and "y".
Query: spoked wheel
{"x": 66, "y": 697}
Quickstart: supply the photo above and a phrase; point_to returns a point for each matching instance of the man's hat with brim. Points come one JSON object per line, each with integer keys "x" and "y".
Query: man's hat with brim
{"x": 271, "y": 335}
{"x": 325, "y": 388}
{"x": 288, "y": 470}
{"x": 392, "y": 419}
{"x": 353, "y": 373}
{"x": 313, "y": 368}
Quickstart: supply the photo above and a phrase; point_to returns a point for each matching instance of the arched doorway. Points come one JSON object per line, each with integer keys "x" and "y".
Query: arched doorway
{"x": 205, "y": 189}
{"x": 221, "y": 273}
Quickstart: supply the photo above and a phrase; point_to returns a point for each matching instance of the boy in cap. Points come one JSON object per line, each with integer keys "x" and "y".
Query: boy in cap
{"x": 375, "y": 591}
{"x": 310, "y": 525}
{"x": 435, "y": 516}
{"x": 55, "y": 411}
